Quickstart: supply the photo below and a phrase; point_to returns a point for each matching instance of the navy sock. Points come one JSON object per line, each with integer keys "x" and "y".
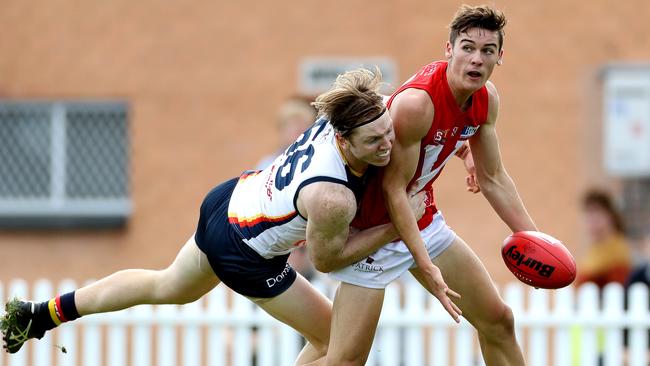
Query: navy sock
{"x": 60, "y": 309}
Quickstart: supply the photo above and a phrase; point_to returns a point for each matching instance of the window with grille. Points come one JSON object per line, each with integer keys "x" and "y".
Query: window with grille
{"x": 64, "y": 164}
{"x": 626, "y": 136}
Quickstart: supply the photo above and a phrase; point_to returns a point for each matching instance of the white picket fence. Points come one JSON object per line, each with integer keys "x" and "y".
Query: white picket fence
{"x": 226, "y": 329}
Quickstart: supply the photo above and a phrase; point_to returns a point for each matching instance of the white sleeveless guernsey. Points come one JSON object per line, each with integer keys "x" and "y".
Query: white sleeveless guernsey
{"x": 263, "y": 205}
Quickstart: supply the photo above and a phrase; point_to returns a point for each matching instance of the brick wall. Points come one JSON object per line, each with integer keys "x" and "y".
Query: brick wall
{"x": 204, "y": 82}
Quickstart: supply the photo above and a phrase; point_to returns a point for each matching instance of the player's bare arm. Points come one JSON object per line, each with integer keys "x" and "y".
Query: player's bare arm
{"x": 496, "y": 185}
{"x": 330, "y": 208}
{"x": 465, "y": 154}
{"x": 412, "y": 113}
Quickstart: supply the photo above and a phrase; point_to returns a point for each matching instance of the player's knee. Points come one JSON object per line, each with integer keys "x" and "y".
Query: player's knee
{"x": 319, "y": 347}
{"x": 318, "y": 342}
{"x": 500, "y": 326}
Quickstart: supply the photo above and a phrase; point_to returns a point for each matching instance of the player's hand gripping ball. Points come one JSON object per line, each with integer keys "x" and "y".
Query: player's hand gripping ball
{"x": 538, "y": 260}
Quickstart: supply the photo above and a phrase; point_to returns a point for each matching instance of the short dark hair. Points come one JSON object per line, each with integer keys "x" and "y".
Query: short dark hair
{"x": 482, "y": 16}
{"x": 353, "y": 100}
{"x": 603, "y": 200}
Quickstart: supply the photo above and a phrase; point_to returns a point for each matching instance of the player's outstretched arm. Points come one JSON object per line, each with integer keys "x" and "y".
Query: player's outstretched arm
{"x": 411, "y": 120}
{"x": 330, "y": 208}
{"x": 496, "y": 185}
{"x": 412, "y": 112}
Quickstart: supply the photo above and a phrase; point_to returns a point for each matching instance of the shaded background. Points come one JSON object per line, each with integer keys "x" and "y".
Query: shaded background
{"x": 204, "y": 79}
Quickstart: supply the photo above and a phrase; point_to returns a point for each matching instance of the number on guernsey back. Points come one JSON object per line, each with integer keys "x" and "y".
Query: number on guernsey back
{"x": 295, "y": 155}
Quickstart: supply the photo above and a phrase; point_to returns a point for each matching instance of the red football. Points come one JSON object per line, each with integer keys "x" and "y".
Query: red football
{"x": 538, "y": 260}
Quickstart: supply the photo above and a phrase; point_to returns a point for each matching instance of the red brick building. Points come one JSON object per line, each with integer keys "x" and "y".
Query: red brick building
{"x": 203, "y": 81}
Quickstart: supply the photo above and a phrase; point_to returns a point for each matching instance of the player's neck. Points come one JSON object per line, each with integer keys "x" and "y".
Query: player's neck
{"x": 462, "y": 96}
{"x": 356, "y": 166}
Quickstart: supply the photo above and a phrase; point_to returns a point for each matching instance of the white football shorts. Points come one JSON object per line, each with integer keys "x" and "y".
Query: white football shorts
{"x": 393, "y": 259}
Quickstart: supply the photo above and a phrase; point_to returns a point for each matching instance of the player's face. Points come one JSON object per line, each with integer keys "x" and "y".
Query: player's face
{"x": 472, "y": 58}
{"x": 372, "y": 143}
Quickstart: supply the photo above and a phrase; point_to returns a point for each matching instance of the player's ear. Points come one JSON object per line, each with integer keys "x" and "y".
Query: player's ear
{"x": 448, "y": 50}
{"x": 342, "y": 141}
{"x": 500, "y": 60}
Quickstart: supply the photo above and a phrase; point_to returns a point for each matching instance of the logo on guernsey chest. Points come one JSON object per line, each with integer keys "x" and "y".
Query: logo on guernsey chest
{"x": 441, "y": 136}
{"x": 468, "y": 131}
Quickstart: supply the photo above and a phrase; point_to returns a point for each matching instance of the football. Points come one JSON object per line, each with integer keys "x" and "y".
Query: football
{"x": 539, "y": 260}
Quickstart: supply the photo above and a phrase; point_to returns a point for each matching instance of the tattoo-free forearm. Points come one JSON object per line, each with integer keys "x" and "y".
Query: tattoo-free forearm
{"x": 360, "y": 245}
{"x": 365, "y": 242}
{"x": 406, "y": 225}
{"x": 501, "y": 193}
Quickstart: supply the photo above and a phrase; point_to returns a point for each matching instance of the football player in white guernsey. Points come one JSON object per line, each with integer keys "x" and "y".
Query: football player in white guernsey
{"x": 248, "y": 226}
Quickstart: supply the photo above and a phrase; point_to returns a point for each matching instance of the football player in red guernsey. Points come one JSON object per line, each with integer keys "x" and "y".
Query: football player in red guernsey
{"x": 443, "y": 105}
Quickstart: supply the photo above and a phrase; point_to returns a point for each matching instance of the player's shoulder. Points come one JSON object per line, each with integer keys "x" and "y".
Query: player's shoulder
{"x": 412, "y": 102}
{"x": 328, "y": 161}
{"x": 328, "y": 194}
{"x": 491, "y": 88}
{"x": 493, "y": 100}
{"x": 413, "y": 108}
{"x": 492, "y": 92}
{"x": 328, "y": 201}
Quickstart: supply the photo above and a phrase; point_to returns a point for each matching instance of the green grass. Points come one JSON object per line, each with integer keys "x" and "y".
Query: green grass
{"x": 9, "y": 319}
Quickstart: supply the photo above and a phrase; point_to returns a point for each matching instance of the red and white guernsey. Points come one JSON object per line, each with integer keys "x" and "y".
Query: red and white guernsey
{"x": 449, "y": 130}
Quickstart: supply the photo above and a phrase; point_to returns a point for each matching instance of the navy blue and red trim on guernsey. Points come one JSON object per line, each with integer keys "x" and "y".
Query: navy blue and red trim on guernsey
{"x": 251, "y": 228}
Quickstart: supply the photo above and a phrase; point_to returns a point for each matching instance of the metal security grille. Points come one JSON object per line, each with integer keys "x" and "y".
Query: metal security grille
{"x": 626, "y": 140}
{"x": 63, "y": 164}
{"x": 636, "y": 207}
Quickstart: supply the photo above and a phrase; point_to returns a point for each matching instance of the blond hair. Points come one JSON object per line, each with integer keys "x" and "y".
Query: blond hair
{"x": 353, "y": 100}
